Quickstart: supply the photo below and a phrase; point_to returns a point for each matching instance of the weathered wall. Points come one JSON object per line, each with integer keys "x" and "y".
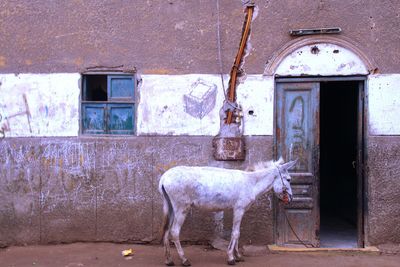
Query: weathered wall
{"x": 163, "y": 109}
{"x": 39, "y": 104}
{"x": 52, "y": 104}
{"x": 384, "y": 104}
{"x": 70, "y": 35}
{"x": 321, "y": 59}
{"x": 106, "y": 189}
{"x": 383, "y": 210}
{"x": 48, "y": 104}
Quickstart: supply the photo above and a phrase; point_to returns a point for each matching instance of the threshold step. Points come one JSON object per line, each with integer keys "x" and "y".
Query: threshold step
{"x": 366, "y": 250}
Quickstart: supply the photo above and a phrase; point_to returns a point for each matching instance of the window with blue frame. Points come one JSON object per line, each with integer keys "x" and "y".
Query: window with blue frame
{"x": 108, "y": 104}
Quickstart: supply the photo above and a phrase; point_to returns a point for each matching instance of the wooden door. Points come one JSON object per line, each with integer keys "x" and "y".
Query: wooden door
{"x": 297, "y": 137}
{"x": 360, "y": 164}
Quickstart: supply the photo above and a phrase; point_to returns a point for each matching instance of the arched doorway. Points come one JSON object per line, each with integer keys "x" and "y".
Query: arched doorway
{"x": 319, "y": 119}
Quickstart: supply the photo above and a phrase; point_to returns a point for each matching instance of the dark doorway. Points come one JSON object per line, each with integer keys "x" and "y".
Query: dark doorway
{"x": 338, "y": 157}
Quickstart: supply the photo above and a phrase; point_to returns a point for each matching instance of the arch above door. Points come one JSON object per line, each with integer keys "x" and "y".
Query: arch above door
{"x": 319, "y": 56}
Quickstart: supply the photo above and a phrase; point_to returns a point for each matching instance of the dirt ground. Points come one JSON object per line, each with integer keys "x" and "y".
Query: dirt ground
{"x": 109, "y": 255}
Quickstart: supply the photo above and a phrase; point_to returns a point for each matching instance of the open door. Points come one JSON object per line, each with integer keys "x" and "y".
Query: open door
{"x": 360, "y": 164}
{"x": 297, "y": 137}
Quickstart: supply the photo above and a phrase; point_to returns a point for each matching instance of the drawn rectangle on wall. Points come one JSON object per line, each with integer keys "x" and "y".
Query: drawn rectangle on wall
{"x": 201, "y": 99}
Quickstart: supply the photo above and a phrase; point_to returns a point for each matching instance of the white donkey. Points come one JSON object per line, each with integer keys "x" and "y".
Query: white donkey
{"x": 217, "y": 189}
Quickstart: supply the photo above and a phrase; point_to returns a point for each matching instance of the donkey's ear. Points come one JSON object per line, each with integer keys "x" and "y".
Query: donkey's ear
{"x": 280, "y": 160}
{"x": 290, "y": 164}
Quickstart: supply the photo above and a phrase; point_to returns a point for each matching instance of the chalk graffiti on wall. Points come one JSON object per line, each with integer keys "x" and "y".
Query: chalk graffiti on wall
{"x": 69, "y": 174}
{"x": 5, "y": 120}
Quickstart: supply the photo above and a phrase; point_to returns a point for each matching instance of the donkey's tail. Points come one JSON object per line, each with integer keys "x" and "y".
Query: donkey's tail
{"x": 168, "y": 213}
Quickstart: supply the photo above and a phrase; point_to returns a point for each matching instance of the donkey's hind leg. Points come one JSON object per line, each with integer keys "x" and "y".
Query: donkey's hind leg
{"x": 168, "y": 258}
{"x": 180, "y": 216}
{"x": 167, "y": 249}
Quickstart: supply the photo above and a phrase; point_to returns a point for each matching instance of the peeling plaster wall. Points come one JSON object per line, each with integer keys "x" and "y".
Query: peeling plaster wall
{"x": 162, "y": 108}
{"x": 384, "y": 104}
{"x": 321, "y": 60}
{"x": 39, "y": 104}
{"x": 52, "y": 105}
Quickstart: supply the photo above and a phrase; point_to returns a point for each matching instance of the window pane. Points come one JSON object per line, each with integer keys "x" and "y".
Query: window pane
{"x": 93, "y": 118}
{"x": 120, "y": 87}
{"x": 95, "y": 88}
{"x": 121, "y": 118}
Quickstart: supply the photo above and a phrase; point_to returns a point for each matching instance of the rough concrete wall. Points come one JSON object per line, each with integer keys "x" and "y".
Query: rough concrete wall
{"x": 105, "y": 189}
{"x": 70, "y": 35}
{"x": 383, "y": 213}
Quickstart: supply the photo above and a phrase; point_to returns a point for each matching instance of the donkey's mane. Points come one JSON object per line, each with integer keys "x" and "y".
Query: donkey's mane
{"x": 260, "y": 166}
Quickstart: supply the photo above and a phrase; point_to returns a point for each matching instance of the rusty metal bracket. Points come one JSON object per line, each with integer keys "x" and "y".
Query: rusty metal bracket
{"x": 301, "y": 32}
{"x": 102, "y": 69}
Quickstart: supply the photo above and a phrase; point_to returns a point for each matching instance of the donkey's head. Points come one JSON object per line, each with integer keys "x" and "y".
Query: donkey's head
{"x": 282, "y": 178}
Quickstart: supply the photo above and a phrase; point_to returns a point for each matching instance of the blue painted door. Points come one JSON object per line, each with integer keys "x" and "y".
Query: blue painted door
{"x": 297, "y": 137}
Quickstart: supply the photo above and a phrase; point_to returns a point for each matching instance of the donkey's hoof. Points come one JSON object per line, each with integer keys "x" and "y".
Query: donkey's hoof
{"x": 231, "y": 262}
{"x": 169, "y": 263}
{"x": 239, "y": 259}
{"x": 186, "y": 263}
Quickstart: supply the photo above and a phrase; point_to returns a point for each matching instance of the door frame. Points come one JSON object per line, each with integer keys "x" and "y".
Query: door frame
{"x": 362, "y": 143}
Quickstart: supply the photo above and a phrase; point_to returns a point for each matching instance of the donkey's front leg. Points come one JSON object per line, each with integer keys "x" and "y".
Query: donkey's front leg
{"x": 233, "y": 245}
{"x": 238, "y": 255}
{"x": 175, "y": 230}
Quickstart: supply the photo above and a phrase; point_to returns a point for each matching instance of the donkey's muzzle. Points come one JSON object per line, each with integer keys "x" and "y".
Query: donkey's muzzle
{"x": 286, "y": 197}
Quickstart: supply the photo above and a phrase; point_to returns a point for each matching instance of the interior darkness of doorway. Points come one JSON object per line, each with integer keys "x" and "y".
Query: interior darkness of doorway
{"x": 338, "y": 178}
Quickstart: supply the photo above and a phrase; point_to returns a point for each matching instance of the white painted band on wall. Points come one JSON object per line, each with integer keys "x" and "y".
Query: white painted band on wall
{"x": 384, "y": 104}
{"x": 169, "y": 104}
{"x": 51, "y": 107}
{"x": 163, "y": 109}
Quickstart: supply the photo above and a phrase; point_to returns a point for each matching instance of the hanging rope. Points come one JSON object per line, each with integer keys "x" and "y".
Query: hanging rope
{"x": 219, "y": 49}
{"x": 284, "y": 212}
